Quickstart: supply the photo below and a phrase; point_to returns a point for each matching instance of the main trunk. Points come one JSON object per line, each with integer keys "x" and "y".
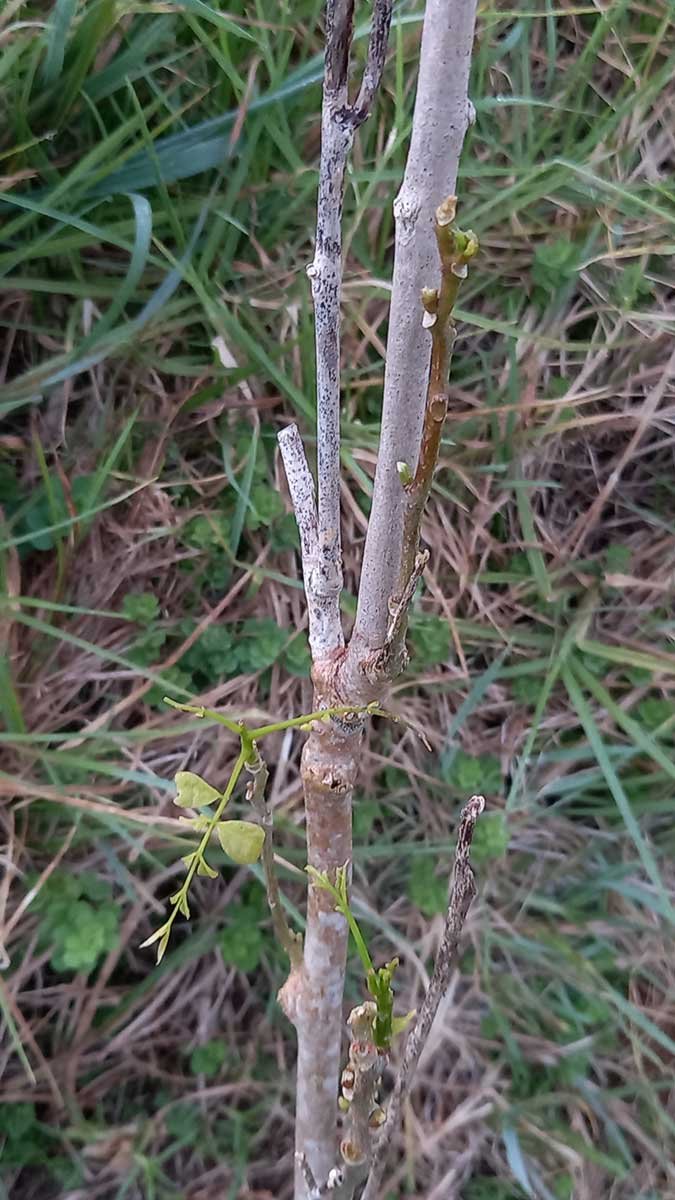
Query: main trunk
{"x": 329, "y": 766}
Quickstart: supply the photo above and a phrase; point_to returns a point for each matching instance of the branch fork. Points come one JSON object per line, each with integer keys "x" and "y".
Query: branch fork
{"x": 414, "y": 408}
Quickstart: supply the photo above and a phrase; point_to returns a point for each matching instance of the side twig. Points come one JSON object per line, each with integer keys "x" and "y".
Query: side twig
{"x": 319, "y": 589}
{"x": 256, "y": 794}
{"x": 359, "y": 1086}
{"x": 462, "y": 893}
{"x": 455, "y": 250}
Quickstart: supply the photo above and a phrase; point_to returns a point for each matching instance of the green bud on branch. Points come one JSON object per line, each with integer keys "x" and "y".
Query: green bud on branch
{"x": 404, "y": 473}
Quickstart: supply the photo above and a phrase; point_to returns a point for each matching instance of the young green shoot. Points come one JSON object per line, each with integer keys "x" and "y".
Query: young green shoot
{"x": 378, "y": 979}
{"x": 242, "y": 841}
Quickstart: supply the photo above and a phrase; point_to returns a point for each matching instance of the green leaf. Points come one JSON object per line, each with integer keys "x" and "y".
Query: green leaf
{"x": 283, "y": 533}
{"x": 205, "y": 869}
{"x": 404, "y": 473}
{"x": 491, "y": 837}
{"x": 155, "y": 936}
{"x": 429, "y": 641}
{"x": 207, "y": 533}
{"x": 525, "y": 690}
{"x": 468, "y": 775}
{"x": 16, "y": 1119}
{"x": 141, "y": 607}
{"x": 535, "y": 557}
{"x": 618, "y": 558}
{"x": 242, "y": 841}
{"x": 623, "y": 803}
{"x": 427, "y": 890}
{"x": 297, "y": 657}
{"x": 208, "y": 1059}
{"x": 400, "y": 1024}
{"x": 193, "y": 791}
{"x": 241, "y": 944}
{"x": 57, "y": 33}
{"x": 265, "y": 506}
{"x": 146, "y": 648}
{"x": 554, "y": 263}
{"x": 209, "y": 13}
{"x": 241, "y": 947}
{"x": 180, "y": 901}
{"x": 78, "y": 920}
{"x": 654, "y": 711}
{"x": 261, "y": 644}
{"x": 161, "y": 948}
{"x": 199, "y": 824}
{"x": 48, "y": 514}
{"x": 21, "y": 1136}
{"x": 89, "y": 934}
{"x": 378, "y": 982}
{"x": 215, "y": 654}
{"x": 161, "y": 936}
{"x": 630, "y": 285}
{"x": 366, "y": 813}
{"x": 183, "y": 1122}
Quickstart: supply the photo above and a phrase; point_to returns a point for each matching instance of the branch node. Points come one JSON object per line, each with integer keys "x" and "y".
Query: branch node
{"x": 446, "y": 211}
{"x": 404, "y": 473}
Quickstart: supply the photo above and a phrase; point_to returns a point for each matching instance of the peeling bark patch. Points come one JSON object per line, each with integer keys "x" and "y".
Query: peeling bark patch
{"x": 406, "y": 214}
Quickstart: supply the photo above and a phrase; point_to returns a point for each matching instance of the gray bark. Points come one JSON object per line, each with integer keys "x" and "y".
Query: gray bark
{"x": 442, "y": 116}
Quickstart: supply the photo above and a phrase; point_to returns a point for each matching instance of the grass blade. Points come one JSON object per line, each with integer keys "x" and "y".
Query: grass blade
{"x": 614, "y": 784}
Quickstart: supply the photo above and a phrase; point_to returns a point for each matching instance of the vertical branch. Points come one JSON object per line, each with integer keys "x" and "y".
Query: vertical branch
{"x": 339, "y": 121}
{"x": 442, "y": 115}
{"x": 462, "y": 893}
{"x": 325, "y": 273}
